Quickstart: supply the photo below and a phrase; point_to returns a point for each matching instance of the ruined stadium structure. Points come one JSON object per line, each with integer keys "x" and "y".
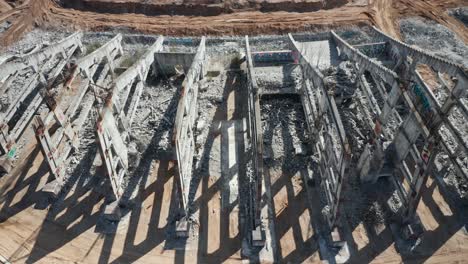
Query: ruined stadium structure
{"x": 63, "y": 85}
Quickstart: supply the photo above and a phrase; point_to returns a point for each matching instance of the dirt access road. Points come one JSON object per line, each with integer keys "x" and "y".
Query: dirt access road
{"x": 383, "y": 13}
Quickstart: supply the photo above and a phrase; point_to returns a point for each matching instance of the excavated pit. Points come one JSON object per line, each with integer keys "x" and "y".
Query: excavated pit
{"x": 198, "y": 8}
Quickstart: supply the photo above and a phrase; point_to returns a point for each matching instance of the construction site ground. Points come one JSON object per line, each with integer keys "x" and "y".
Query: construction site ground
{"x": 383, "y": 13}
{"x": 68, "y": 235}
{"x": 71, "y": 230}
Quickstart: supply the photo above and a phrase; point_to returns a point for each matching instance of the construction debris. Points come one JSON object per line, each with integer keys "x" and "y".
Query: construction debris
{"x": 324, "y": 140}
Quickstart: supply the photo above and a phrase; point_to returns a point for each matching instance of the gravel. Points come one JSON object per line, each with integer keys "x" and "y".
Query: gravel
{"x": 461, "y": 14}
{"x": 434, "y": 37}
{"x": 342, "y": 79}
{"x": 357, "y": 35}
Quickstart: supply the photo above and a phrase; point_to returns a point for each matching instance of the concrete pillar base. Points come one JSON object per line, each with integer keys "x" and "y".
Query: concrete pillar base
{"x": 182, "y": 228}
{"x": 52, "y": 188}
{"x": 258, "y": 237}
{"x": 412, "y": 231}
{"x": 340, "y": 247}
{"x": 5, "y": 166}
{"x": 112, "y": 211}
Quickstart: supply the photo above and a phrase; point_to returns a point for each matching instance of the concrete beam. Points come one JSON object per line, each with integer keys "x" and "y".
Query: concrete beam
{"x": 183, "y": 134}
{"x": 436, "y": 114}
{"x": 36, "y": 59}
{"x": 183, "y": 139}
{"x": 325, "y": 125}
{"x": 256, "y": 143}
{"x": 103, "y": 53}
{"x": 365, "y": 88}
{"x": 371, "y": 45}
{"x": 280, "y": 56}
{"x": 321, "y": 110}
{"x": 367, "y": 64}
{"x": 364, "y": 61}
{"x": 426, "y": 115}
{"x": 167, "y": 61}
{"x": 114, "y": 152}
{"x": 372, "y": 49}
{"x": 410, "y": 129}
{"x": 113, "y": 126}
{"x": 9, "y": 135}
{"x": 424, "y": 163}
{"x": 424, "y": 57}
{"x": 57, "y": 146}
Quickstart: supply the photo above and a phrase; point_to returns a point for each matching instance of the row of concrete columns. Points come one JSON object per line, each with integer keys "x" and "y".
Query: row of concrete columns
{"x": 423, "y": 122}
{"x": 57, "y": 130}
{"x": 57, "y": 145}
{"x": 43, "y": 63}
{"x": 324, "y": 121}
{"x": 256, "y": 145}
{"x": 115, "y": 122}
{"x": 184, "y": 129}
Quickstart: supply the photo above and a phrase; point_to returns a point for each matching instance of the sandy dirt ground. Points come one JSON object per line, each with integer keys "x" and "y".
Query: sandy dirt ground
{"x": 294, "y": 233}
{"x": 444, "y": 240}
{"x": 383, "y": 13}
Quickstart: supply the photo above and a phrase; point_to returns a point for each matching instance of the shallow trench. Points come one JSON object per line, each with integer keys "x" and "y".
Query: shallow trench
{"x": 197, "y": 8}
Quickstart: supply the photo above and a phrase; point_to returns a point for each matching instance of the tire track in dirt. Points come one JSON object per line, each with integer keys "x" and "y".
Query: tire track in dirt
{"x": 384, "y": 16}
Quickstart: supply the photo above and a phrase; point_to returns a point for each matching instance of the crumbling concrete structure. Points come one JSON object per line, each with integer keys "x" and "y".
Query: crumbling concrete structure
{"x": 115, "y": 122}
{"x": 58, "y": 143}
{"x": 47, "y": 64}
{"x": 256, "y": 145}
{"x": 326, "y": 127}
{"x": 415, "y": 143}
{"x": 426, "y": 119}
{"x": 328, "y": 137}
{"x": 183, "y": 137}
{"x": 409, "y": 124}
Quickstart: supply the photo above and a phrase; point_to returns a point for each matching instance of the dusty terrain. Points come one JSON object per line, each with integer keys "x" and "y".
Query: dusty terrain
{"x": 383, "y": 13}
{"x": 199, "y": 8}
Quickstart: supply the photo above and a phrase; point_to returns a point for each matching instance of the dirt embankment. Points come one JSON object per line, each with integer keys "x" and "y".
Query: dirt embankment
{"x": 386, "y": 14}
{"x": 434, "y": 10}
{"x": 383, "y": 13}
{"x": 29, "y": 14}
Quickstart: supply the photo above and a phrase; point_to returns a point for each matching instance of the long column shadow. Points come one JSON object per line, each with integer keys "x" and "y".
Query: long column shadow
{"x": 361, "y": 202}
{"x": 155, "y": 236}
{"x": 63, "y": 213}
{"x": 23, "y": 180}
{"x": 66, "y": 210}
{"x": 448, "y": 226}
{"x": 289, "y": 165}
{"x": 227, "y": 245}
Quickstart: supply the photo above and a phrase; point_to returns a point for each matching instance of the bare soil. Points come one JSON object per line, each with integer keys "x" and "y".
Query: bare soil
{"x": 198, "y": 8}
{"x": 382, "y": 13}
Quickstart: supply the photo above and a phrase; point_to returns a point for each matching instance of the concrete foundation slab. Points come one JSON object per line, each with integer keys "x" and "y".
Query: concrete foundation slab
{"x": 112, "y": 211}
{"x": 182, "y": 228}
